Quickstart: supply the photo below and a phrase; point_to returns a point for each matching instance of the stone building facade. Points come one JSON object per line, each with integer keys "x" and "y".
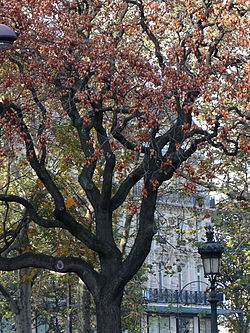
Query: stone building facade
{"x": 176, "y": 291}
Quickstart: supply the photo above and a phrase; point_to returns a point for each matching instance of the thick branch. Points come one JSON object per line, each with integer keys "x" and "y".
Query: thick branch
{"x": 40, "y": 170}
{"x": 144, "y": 236}
{"x": 58, "y": 264}
{"x": 64, "y": 221}
{"x": 109, "y": 161}
{"x": 117, "y": 133}
{"x": 32, "y": 212}
{"x": 126, "y": 186}
{"x": 83, "y": 130}
{"x": 13, "y": 235}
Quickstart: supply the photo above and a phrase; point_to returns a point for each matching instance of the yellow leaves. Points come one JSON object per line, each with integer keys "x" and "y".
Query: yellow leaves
{"x": 26, "y": 249}
{"x": 63, "y": 250}
{"x": 69, "y": 202}
{"x": 191, "y": 232}
{"x": 66, "y": 248}
{"x": 39, "y": 183}
{"x": 29, "y": 277}
{"x": 32, "y": 232}
{"x": 180, "y": 231}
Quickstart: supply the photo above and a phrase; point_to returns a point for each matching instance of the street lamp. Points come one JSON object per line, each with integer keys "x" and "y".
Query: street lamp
{"x": 7, "y": 36}
{"x": 211, "y": 252}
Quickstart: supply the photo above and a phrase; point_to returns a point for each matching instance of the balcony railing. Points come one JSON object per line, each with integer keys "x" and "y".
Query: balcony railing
{"x": 176, "y": 296}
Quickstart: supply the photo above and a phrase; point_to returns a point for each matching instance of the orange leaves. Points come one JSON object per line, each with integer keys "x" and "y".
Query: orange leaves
{"x": 114, "y": 145}
{"x": 155, "y": 184}
{"x": 120, "y": 165}
{"x": 186, "y": 128}
{"x": 144, "y": 193}
{"x": 153, "y": 5}
{"x": 228, "y": 19}
{"x": 86, "y": 120}
{"x": 245, "y": 144}
{"x": 190, "y": 187}
{"x": 138, "y": 148}
{"x": 123, "y": 167}
{"x": 91, "y": 159}
{"x": 42, "y": 140}
{"x": 166, "y": 164}
{"x": 69, "y": 202}
{"x": 188, "y": 108}
{"x": 132, "y": 208}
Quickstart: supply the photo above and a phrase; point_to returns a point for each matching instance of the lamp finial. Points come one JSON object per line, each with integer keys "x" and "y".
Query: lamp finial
{"x": 210, "y": 233}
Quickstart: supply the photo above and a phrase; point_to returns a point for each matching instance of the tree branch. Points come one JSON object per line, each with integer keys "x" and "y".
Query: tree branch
{"x": 9, "y": 299}
{"x": 150, "y": 34}
{"x": 126, "y": 186}
{"x": 32, "y": 212}
{"x": 83, "y": 130}
{"x": 58, "y": 264}
{"x": 66, "y": 222}
{"x": 142, "y": 243}
{"x": 40, "y": 170}
{"x": 109, "y": 161}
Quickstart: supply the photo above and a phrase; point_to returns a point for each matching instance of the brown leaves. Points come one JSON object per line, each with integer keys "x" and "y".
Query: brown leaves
{"x": 69, "y": 202}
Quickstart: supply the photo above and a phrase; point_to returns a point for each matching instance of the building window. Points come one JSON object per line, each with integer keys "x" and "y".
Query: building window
{"x": 160, "y": 268}
{"x": 205, "y": 325}
{"x": 185, "y": 325}
{"x": 159, "y": 324}
{"x": 199, "y": 274}
{"x": 180, "y": 269}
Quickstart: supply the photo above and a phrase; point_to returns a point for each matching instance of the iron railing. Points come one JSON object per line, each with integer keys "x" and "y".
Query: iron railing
{"x": 175, "y": 296}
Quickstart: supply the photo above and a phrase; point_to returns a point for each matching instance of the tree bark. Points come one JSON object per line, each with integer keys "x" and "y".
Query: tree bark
{"x": 108, "y": 313}
{"x": 23, "y": 317}
{"x": 84, "y": 309}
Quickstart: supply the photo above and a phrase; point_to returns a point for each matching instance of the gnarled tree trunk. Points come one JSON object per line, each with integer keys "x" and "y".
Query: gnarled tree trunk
{"x": 108, "y": 313}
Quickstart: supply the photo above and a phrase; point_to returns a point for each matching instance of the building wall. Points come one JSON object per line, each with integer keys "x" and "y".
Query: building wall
{"x": 177, "y": 267}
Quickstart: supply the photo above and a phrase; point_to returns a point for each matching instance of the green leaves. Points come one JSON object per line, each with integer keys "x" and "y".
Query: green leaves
{"x": 233, "y": 227}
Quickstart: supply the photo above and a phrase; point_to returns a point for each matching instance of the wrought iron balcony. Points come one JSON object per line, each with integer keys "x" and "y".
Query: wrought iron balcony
{"x": 175, "y": 296}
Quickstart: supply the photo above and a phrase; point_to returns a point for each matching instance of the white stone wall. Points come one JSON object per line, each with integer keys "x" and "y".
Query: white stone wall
{"x": 173, "y": 248}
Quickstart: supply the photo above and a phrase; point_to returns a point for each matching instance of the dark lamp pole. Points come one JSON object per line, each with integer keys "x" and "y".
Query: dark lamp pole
{"x": 211, "y": 252}
{"x": 7, "y": 36}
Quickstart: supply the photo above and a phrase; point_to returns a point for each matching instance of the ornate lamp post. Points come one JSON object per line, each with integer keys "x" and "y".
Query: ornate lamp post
{"x": 7, "y": 36}
{"x": 211, "y": 252}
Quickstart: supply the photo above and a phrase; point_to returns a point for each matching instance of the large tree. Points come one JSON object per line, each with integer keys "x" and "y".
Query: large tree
{"x": 119, "y": 93}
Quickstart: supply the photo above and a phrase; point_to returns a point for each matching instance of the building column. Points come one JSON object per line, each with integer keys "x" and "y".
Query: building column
{"x": 196, "y": 325}
{"x": 173, "y": 326}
